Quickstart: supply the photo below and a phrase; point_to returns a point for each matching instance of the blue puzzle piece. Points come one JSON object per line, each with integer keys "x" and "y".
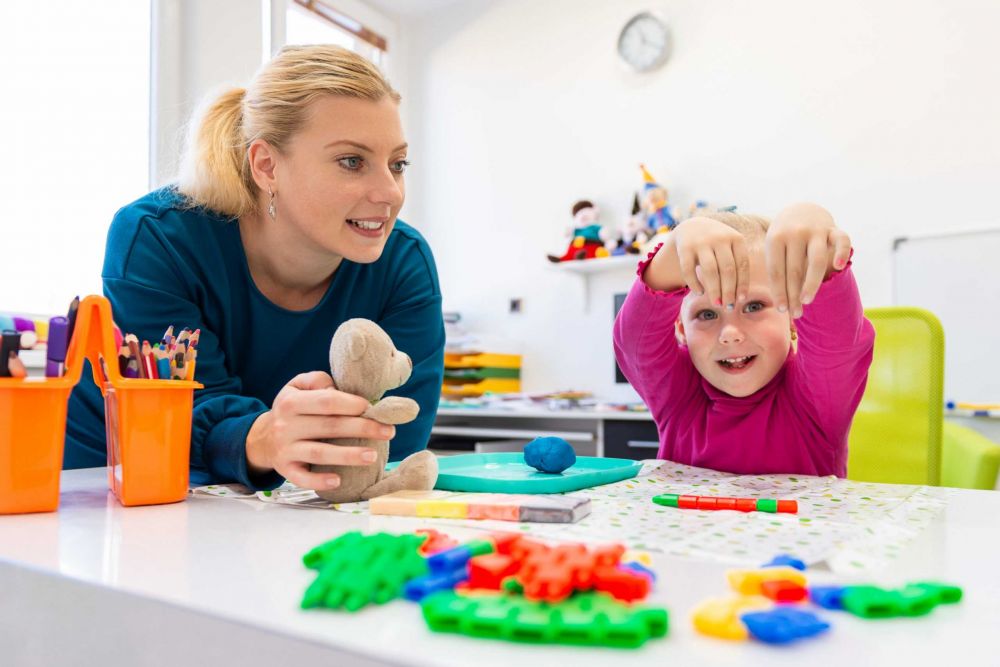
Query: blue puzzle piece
{"x": 417, "y": 589}
{"x": 786, "y": 560}
{"x": 828, "y": 597}
{"x": 444, "y": 562}
{"x": 636, "y": 566}
{"x": 783, "y": 624}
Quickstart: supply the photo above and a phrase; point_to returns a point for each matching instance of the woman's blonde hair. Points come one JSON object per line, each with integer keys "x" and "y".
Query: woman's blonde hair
{"x": 215, "y": 170}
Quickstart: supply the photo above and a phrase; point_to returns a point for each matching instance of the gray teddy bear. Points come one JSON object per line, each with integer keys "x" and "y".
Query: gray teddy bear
{"x": 365, "y": 362}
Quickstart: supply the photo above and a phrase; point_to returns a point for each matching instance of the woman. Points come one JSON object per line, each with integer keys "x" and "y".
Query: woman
{"x": 282, "y": 226}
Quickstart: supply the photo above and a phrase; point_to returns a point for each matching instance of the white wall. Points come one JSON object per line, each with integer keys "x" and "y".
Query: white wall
{"x": 200, "y": 47}
{"x": 885, "y": 112}
{"x": 75, "y": 96}
{"x": 203, "y": 47}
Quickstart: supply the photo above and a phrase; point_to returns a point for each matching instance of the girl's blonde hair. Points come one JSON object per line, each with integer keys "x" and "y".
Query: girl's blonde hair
{"x": 215, "y": 170}
{"x": 752, "y": 227}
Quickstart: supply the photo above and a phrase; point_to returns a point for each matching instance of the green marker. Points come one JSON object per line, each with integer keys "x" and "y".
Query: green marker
{"x": 667, "y": 499}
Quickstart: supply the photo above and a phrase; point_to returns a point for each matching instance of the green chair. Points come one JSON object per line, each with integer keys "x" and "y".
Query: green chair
{"x": 899, "y": 435}
{"x": 970, "y": 460}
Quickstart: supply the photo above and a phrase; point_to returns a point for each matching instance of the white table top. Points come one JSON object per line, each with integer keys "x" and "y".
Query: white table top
{"x": 233, "y": 568}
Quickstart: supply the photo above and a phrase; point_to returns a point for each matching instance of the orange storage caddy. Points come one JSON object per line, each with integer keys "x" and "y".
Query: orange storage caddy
{"x": 32, "y": 428}
{"x": 148, "y": 425}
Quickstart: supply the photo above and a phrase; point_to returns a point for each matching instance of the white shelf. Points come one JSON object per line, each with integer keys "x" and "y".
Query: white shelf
{"x": 589, "y": 267}
{"x": 598, "y": 265}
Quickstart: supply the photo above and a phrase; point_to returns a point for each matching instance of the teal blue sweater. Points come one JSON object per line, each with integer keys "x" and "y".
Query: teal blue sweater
{"x": 165, "y": 264}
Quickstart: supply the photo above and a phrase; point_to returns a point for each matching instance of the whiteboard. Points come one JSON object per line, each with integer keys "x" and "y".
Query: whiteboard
{"x": 956, "y": 276}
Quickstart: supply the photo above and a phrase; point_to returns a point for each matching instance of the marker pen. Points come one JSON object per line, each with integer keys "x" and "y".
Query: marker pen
{"x": 24, "y": 324}
{"x": 11, "y": 342}
{"x": 55, "y": 362}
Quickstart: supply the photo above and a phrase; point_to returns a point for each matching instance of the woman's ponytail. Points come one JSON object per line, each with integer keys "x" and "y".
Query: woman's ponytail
{"x": 214, "y": 169}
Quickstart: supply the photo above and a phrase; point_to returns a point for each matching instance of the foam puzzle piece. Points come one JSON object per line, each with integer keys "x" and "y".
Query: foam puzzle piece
{"x": 355, "y": 570}
{"x": 781, "y": 590}
{"x": 419, "y": 588}
{"x": 748, "y": 582}
{"x": 783, "y": 624}
{"x": 946, "y": 593}
{"x": 828, "y": 597}
{"x": 594, "y": 619}
{"x": 720, "y": 617}
{"x": 786, "y": 560}
{"x": 436, "y": 541}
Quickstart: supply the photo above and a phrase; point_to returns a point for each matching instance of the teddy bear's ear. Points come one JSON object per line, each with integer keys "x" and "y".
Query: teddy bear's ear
{"x": 356, "y": 347}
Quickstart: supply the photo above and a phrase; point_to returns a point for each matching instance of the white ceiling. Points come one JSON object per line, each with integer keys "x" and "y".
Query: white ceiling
{"x": 410, "y": 8}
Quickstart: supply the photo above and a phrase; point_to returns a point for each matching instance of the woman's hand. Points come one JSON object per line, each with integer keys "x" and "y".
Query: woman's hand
{"x": 706, "y": 255}
{"x": 803, "y": 246}
{"x": 307, "y": 410}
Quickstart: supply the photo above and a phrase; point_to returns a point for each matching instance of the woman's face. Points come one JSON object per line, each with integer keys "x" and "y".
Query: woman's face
{"x": 340, "y": 179}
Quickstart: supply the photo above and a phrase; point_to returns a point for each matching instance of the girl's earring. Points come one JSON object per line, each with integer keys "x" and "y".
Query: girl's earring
{"x": 270, "y": 206}
{"x": 795, "y": 335}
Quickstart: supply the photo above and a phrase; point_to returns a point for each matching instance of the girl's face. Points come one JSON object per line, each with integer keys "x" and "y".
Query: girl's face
{"x": 340, "y": 179}
{"x": 738, "y": 351}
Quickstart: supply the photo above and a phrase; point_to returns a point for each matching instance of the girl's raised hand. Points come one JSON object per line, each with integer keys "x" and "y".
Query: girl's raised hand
{"x": 803, "y": 246}
{"x": 713, "y": 260}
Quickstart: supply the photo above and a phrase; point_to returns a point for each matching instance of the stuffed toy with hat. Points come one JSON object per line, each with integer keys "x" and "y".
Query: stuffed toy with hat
{"x": 655, "y": 204}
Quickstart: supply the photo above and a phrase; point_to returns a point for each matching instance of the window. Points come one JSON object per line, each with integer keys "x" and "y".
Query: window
{"x": 316, "y": 22}
{"x": 75, "y": 82}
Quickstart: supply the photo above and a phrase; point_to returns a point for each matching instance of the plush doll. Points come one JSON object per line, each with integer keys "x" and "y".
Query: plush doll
{"x": 364, "y": 362}
{"x": 633, "y": 232}
{"x": 587, "y": 237}
{"x": 655, "y": 203}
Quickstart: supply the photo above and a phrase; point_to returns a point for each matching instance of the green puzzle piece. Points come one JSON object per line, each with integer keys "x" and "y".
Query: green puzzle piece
{"x": 592, "y": 618}
{"x": 356, "y": 570}
{"x": 914, "y": 599}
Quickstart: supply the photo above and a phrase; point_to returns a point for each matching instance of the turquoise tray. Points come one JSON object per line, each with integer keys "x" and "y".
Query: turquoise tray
{"x": 506, "y": 472}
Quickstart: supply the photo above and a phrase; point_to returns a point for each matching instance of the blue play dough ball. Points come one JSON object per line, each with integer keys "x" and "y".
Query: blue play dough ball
{"x": 552, "y": 455}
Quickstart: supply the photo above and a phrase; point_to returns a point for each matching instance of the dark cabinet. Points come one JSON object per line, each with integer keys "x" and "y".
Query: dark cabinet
{"x": 628, "y": 439}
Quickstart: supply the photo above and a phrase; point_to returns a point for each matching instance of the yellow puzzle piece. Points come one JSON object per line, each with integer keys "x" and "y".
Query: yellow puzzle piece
{"x": 748, "y": 582}
{"x": 720, "y": 617}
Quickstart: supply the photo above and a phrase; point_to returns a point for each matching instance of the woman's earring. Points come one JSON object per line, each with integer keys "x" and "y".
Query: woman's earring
{"x": 795, "y": 335}
{"x": 270, "y": 206}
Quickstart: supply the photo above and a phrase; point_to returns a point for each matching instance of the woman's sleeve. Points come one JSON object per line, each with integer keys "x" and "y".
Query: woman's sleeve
{"x": 412, "y": 318}
{"x": 645, "y": 344}
{"x": 148, "y": 290}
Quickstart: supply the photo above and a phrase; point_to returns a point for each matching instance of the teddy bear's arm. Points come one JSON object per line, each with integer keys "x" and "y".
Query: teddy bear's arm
{"x": 393, "y": 410}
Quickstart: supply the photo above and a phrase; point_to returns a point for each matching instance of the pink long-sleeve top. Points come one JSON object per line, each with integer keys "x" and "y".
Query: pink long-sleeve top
{"x": 797, "y": 423}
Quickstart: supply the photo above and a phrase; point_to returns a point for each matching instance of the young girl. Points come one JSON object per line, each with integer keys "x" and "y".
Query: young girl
{"x": 748, "y": 342}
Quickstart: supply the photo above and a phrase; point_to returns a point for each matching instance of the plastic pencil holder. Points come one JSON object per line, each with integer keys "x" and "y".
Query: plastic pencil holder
{"x": 148, "y": 424}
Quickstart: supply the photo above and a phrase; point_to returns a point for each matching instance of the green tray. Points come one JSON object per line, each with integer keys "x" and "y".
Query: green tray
{"x": 506, "y": 472}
